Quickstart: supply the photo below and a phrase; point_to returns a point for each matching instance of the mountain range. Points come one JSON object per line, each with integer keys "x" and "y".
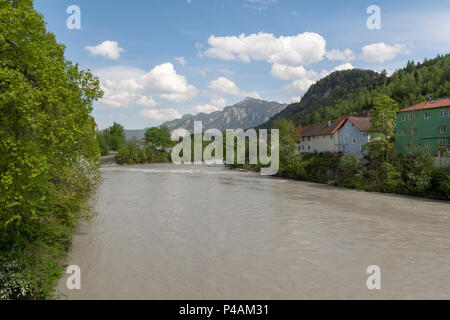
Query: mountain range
{"x": 246, "y": 114}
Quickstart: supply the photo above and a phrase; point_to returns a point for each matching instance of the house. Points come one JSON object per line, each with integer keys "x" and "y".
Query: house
{"x": 322, "y": 137}
{"x": 354, "y": 136}
{"x": 423, "y": 128}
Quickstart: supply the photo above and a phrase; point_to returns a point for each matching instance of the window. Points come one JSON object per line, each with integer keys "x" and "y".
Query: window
{"x": 409, "y": 116}
{"x": 442, "y": 143}
{"x": 427, "y": 115}
{"x": 403, "y": 117}
{"x": 364, "y": 134}
{"x": 354, "y": 140}
{"x": 403, "y": 131}
{"x": 443, "y": 113}
{"x": 309, "y": 147}
{"x": 414, "y": 131}
{"x": 443, "y": 129}
{"x": 427, "y": 145}
{"x": 448, "y": 113}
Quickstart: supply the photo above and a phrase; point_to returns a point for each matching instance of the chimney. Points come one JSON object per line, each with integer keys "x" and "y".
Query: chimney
{"x": 429, "y": 99}
{"x": 329, "y": 123}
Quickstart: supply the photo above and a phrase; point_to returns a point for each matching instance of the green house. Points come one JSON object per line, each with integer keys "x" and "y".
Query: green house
{"x": 424, "y": 128}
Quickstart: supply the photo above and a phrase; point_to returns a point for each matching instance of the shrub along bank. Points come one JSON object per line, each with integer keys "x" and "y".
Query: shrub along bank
{"x": 48, "y": 152}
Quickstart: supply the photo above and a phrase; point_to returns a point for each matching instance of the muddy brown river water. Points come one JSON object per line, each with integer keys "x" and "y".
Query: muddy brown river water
{"x": 168, "y": 232}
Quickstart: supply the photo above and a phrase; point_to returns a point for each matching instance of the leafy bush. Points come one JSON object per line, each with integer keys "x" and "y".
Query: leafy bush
{"x": 48, "y": 152}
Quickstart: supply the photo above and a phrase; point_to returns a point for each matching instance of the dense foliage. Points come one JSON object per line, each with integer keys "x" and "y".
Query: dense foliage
{"x": 111, "y": 139}
{"x": 48, "y": 152}
{"x": 154, "y": 150}
{"x": 353, "y": 91}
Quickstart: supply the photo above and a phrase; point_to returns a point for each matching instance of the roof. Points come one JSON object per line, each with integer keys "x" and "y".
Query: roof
{"x": 429, "y": 104}
{"x": 361, "y": 123}
{"x": 324, "y": 129}
{"x": 300, "y": 131}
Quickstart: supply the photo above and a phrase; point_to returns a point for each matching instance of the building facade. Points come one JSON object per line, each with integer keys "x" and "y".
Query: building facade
{"x": 320, "y": 138}
{"x": 423, "y": 128}
{"x": 354, "y": 136}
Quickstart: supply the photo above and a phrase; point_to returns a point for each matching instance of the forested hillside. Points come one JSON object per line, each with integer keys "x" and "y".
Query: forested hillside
{"x": 352, "y": 91}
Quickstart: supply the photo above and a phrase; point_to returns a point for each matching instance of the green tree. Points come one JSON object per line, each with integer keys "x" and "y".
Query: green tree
{"x": 159, "y": 138}
{"x": 116, "y": 136}
{"x": 383, "y": 116}
{"x": 48, "y": 150}
{"x": 287, "y": 145}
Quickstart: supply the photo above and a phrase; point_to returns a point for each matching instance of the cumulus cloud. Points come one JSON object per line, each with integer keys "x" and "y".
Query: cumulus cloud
{"x": 342, "y": 67}
{"x": 107, "y": 49}
{"x": 380, "y": 52}
{"x": 302, "y": 78}
{"x": 125, "y": 86}
{"x": 160, "y": 114}
{"x": 302, "y": 49}
{"x": 225, "y": 86}
{"x": 345, "y": 55}
{"x": 216, "y": 104}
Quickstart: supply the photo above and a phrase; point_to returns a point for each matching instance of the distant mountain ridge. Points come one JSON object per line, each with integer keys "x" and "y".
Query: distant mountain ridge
{"x": 243, "y": 115}
{"x": 139, "y": 134}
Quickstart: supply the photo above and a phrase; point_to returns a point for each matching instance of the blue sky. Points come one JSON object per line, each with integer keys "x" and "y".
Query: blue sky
{"x": 160, "y": 59}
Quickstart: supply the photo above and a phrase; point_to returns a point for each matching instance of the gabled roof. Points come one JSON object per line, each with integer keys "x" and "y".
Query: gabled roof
{"x": 429, "y": 104}
{"x": 361, "y": 123}
{"x": 300, "y": 131}
{"x": 325, "y": 129}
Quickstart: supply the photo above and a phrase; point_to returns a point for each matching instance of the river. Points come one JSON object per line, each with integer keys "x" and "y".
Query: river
{"x": 194, "y": 232}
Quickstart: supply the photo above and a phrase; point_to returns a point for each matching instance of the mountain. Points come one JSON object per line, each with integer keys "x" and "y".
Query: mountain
{"x": 246, "y": 114}
{"x": 352, "y": 91}
{"x": 130, "y": 134}
{"x": 322, "y": 97}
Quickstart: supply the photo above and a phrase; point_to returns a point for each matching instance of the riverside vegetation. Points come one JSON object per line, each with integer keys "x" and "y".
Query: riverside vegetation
{"x": 48, "y": 152}
{"x": 152, "y": 150}
{"x": 381, "y": 171}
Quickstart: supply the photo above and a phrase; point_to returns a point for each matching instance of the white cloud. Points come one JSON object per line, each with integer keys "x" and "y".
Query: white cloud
{"x": 302, "y": 49}
{"x": 107, "y": 49}
{"x": 160, "y": 114}
{"x": 303, "y": 79}
{"x": 284, "y": 72}
{"x": 227, "y": 87}
{"x": 145, "y": 101}
{"x": 380, "y": 52}
{"x": 216, "y": 104}
{"x": 125, "y": 86}
{"x": 224, "y": 86}
{"x": 345, "y": 55}
{"x": 342, "y": 67}
{"x": 181, "y": 60}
